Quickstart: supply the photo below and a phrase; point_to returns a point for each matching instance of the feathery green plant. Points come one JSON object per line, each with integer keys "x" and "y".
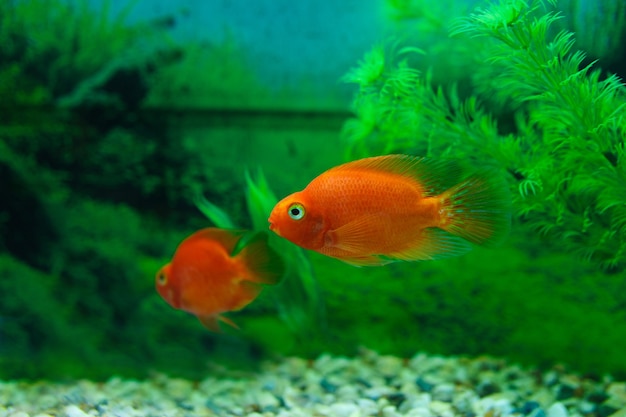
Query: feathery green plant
{"x": 565, "y": 160}
{"x": 572, "y": 178}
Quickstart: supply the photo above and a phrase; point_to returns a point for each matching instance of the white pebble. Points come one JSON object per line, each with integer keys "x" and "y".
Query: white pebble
{"x": 344, "y": 409}
{"x": 443, "y": 392}
{"x": 390, "y": 411}
{"x": 557, "y": 410}
{"x": 368, "y": 407}
{"x": 74, "y": 411}
{"x": 419, "y": 412}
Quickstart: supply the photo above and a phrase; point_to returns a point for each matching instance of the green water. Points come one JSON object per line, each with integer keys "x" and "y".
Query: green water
{"x": 102, "y": 158}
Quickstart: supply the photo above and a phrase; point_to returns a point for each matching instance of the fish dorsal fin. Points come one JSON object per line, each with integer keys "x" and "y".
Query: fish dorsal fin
{"x": 435, "y": 176}
{"x": 264, "y": 265}
{"x": 227, "y": 237}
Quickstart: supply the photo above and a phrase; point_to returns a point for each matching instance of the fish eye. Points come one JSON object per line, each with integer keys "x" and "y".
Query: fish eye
{"x": 296, "y": 211}
{"x": 161, "y": 278}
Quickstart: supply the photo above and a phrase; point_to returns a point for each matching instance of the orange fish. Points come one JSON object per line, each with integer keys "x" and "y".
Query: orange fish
{"x": 396, "y": 207}
{"x": 215, "y": 271}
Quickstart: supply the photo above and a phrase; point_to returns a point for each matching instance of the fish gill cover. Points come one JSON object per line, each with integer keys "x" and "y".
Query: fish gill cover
{"x": 102, "y": 178}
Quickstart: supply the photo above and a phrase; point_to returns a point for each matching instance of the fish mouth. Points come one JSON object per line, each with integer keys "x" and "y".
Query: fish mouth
{"x": 273, "y": 226}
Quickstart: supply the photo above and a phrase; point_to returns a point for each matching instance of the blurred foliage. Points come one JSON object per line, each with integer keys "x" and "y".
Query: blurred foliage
{"x": 80, "y": 159}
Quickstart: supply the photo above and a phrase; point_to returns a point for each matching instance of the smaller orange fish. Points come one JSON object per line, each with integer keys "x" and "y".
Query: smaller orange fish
{"x": 215, "y": 271}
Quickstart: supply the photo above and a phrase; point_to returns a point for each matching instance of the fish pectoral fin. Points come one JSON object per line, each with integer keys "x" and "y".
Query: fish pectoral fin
{"x": 355, "y": 236}
{"x": 212, "y": 322}
{"x": 264, "y": 264}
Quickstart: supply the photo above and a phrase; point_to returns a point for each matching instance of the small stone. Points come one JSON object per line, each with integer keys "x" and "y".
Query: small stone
{"x": 565, "y": 391}
{"x": 74, "y": 411}
{"x": 267, "y": 400}
{"x": 367, "y": 406}
{"x": 344, "y": 410}
{"x": 528, "y": 407}
{"x": 389, "y": 366}
{"x": 390, "y": 411}
{"x": 443, "y": 392}
{"x": 419, "y": 412}
{"x": 347, "y": 393}
{"x": 597, "y": 397}
{"x": 424, "y": 385}
{"x": 537, "y": 412}
{"x": 328, "y": 386}
{"x": 486, "y": 388}
{"x": 557, "y": 410}
{"x": 586, "y": 407}
{"x": 377, "y": 392}
{"x": 440, "y": 408}
{"x": 396, "y": 398}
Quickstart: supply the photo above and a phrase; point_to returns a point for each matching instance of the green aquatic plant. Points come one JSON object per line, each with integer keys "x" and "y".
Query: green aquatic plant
{"x": 564, "y": 157}
{"x": 572, "y": 122}
{"x": 298, "y": 297}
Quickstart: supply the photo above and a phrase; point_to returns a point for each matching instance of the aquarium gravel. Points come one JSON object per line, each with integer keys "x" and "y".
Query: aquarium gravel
{"x": 366, "y": 385}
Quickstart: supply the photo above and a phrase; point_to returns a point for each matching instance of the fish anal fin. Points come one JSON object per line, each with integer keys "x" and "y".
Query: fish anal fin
{"x": 212, "y": 322}
{"x": 228, "y": 321}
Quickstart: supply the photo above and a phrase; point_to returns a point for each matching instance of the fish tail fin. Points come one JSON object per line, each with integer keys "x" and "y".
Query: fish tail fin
{"x": 477, "y": 209}
{"x": 265, "y": 265}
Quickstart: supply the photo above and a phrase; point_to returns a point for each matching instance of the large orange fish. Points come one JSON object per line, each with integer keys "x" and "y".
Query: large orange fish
{"x": 396, "y": 207}
{"x": 215, "y": 271}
